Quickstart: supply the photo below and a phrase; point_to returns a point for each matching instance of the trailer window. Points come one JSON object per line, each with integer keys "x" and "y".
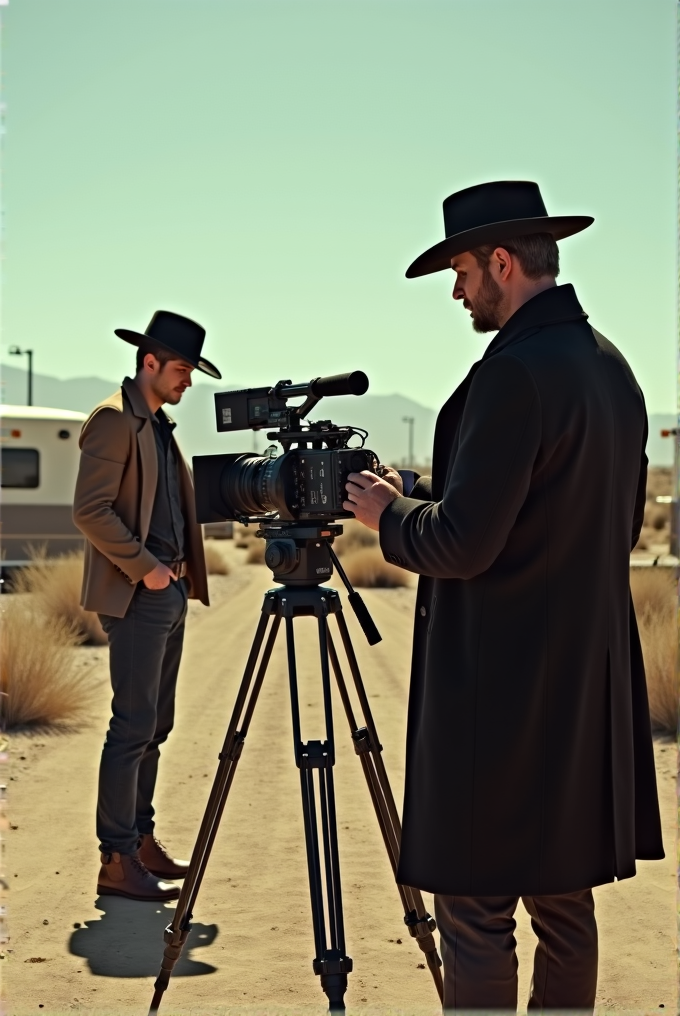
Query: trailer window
{"x": 20, "y": 467}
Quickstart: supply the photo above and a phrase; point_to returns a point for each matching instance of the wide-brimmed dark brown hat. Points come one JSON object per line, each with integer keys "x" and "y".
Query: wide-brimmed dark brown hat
{"x": 178, "y": 335}
{"x": 491, "y": 213}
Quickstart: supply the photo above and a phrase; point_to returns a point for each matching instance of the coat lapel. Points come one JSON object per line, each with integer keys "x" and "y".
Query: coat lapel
{"x": 146, "y": 443}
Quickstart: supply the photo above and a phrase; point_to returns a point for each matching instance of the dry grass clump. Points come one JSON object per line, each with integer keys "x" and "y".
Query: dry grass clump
{"x": 244, "y": 536}
{"x": 366, "y": 568}
{"x": 256, "y": 549}
{"x": 355, "y": 536}
{"x": 39, "y": 682}
{"x": 654, "y": 597}
{"x": 54, "y": 586}
{"x": 656, "y": 528}
{"x": 215, "y": 559}
{"x": 659, "y": 481}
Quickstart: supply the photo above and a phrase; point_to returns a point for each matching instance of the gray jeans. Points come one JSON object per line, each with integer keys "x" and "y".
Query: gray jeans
{"x": 145, "y": 650}
{"x": 478, "y": 950}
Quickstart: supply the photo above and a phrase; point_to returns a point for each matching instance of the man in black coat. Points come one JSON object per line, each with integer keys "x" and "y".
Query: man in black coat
{"x": 530, "y": 769}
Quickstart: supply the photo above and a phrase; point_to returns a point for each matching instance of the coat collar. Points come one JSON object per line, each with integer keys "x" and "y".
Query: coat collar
{"x": 553, "y": 306}
{"x": 138, "y": 403}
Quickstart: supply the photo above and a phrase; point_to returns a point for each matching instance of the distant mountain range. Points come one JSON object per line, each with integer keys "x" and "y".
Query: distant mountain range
{"x": 381, "y": 415}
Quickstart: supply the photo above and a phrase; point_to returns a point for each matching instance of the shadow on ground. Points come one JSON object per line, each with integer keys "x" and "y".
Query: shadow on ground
{"x": 127, "y": 940}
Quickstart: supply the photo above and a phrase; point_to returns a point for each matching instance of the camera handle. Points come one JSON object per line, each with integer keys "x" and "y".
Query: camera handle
{"x": 331, "y": 963}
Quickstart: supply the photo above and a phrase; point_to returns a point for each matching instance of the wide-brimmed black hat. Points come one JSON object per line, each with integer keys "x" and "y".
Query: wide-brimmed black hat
{"x": 178, "y": 335}
{"x": 491, "y": 213}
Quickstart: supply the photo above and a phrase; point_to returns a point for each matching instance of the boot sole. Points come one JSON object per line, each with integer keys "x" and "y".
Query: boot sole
{"x": 165, "y": 876}
{"x": 106, "y": 891}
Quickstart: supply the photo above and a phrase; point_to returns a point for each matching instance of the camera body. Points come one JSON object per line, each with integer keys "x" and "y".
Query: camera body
{"x": 302, "y": 484}
{"x": 305, "y": 483}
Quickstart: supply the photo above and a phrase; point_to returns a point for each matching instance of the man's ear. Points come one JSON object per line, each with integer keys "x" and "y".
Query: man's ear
{"x": 504, "y": 261}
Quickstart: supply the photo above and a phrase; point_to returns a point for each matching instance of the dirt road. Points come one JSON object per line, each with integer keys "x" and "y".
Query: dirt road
{"x": 251, "y": 947}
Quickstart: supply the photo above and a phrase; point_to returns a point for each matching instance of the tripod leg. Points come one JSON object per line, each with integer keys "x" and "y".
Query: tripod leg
{"x": 331, "y": 962}
{"x": 178, "y": 930}
{"x": 367, "y": 746}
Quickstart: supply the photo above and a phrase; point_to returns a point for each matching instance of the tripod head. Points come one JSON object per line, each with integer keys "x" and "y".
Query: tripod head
{"x": 300, "y": 554}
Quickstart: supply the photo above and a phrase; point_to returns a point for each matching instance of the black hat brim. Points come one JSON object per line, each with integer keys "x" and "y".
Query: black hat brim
{"x": 137, "y": 338}
{"x": 438, "y": 258}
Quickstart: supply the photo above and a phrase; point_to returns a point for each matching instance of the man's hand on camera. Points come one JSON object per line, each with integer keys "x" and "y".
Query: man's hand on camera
{"x": 392, "y": 477}
{"x": 367, "y": 497}
{"x": 159, "y": 578}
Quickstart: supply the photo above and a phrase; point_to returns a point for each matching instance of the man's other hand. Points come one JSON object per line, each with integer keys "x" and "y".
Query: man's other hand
{"x": 159, "y": 578}
{"x": 367, "y": 497}
{"x": 392, "y": 477}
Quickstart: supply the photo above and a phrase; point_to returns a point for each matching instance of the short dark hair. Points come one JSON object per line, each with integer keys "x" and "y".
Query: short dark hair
{"x": 162, "y": 355}
{"x": 537, "y": 254}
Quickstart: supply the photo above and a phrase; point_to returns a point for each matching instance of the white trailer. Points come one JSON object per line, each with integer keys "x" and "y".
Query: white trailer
{"x": 39, "y": 455}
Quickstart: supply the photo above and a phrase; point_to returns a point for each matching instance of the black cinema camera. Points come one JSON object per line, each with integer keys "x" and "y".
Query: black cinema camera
{"x": 307, "y": 482}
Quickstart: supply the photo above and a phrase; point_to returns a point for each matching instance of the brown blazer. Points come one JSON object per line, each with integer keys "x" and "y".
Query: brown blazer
{"x": 114, "y": 498}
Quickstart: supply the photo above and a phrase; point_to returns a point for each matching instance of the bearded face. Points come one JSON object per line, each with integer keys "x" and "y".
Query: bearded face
{"x": 171, "y": 381}
{"x": 486, "y": 306}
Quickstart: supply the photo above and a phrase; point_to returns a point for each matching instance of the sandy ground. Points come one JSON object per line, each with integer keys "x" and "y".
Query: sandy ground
{"x": 251, "y": 946}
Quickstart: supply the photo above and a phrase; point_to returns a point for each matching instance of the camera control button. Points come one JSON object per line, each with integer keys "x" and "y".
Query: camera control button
{"x": 423, "y": 611}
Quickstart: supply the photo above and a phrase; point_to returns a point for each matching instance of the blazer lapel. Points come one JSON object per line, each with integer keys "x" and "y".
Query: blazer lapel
{"x": 148, "y": 459}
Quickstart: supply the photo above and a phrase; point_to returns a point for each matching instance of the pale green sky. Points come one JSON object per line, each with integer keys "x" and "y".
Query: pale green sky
{"x": 271, "y": 167}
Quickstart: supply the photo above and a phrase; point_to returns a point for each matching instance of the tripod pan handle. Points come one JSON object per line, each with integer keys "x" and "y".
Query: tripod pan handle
{"x": 364, "y": 618}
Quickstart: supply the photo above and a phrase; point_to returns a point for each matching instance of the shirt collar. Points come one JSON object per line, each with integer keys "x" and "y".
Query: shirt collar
{"x": 162, "y": 419}
{"x": 553, "y": 306}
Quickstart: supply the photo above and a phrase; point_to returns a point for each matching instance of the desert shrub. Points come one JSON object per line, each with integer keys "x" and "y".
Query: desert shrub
{"x": 244, "y": 536}
{"x": 661, "y": 517}
{"x": 652, "y": 539}
{"x": 54, "y": 585}
{"x": 654, "y": 597}
{"x": 367, "y": 568}
{"x": 256, "y": 551}
{"x": 659, "y": 481}
{"x": 355, "y": 536}
{"x": 215, "y": 559}
{"x": 40, "y": 679}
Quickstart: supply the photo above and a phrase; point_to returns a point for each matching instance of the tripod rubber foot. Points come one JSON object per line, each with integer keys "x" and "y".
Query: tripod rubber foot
{"x": 335, "y": 986}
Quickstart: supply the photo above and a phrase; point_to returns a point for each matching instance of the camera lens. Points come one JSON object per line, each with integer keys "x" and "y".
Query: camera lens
{"x": 249, "y": 484}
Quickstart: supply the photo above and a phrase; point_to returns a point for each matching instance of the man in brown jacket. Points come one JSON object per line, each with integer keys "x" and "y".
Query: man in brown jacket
{"x": 134, "y": 503}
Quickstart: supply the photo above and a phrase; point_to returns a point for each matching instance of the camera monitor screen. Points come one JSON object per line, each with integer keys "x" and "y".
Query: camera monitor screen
{"x": 249, "y": 410}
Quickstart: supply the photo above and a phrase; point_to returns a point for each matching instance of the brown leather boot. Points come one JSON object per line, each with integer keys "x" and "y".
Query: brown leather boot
{"x": 125, "y": 875}
{"x": 155, "y": 857}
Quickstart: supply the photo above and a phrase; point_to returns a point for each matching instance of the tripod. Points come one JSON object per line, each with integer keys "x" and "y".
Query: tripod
{"x": 300, "y": 556}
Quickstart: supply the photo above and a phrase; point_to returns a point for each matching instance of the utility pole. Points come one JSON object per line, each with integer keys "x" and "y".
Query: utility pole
{"x": 410, "y": 420}
{"x": 15, "y": 351}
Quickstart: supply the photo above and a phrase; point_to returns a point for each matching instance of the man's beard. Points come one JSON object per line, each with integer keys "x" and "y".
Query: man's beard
{"x": 165, "y": 392}
{"x": 487, "y": 305}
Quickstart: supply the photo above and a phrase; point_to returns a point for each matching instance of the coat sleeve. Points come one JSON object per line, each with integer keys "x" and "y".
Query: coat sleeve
{"x": 422, "y": 489}
{"x": 105, "y": 452}
{"x": 462, "y": 535}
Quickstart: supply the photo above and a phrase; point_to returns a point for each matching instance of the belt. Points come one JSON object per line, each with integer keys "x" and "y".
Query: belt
{"x": 178, "y": 568}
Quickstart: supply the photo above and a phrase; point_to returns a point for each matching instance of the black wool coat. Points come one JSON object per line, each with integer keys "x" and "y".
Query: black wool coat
{"x": 529, "y": 766}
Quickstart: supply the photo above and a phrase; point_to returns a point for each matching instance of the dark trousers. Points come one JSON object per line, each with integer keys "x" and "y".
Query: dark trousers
{"x": 478, "y": 950}
{"x": 145, "y": 649}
